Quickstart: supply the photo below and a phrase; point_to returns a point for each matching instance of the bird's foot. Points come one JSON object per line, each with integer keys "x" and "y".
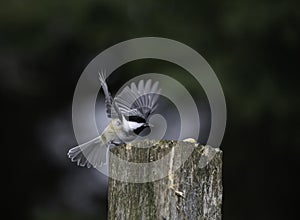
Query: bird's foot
{"x": 114, "y": 143}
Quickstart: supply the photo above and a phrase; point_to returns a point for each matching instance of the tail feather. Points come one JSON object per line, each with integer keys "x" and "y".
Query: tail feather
{"x": 92, "y": 153}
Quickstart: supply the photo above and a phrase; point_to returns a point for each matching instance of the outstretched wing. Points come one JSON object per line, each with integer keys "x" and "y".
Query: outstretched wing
{"x": 108, "y": 97}
{"x": 139, "y": 100}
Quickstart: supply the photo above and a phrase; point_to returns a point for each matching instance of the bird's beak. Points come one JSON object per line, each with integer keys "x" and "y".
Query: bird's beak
{"x": 149, "y": 125}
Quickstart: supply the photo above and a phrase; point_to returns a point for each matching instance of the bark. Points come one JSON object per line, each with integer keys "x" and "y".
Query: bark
{"x": 194, "y": 191}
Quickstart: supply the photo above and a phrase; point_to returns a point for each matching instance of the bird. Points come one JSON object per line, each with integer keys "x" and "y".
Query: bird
{"x": 129, "y": 112}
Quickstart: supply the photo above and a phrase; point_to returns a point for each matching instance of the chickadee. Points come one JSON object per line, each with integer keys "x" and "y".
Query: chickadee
{"x": 128, "y": 111}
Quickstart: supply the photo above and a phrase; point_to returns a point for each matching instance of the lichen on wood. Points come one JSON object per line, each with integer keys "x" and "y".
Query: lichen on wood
{"x": 194, "y": 191}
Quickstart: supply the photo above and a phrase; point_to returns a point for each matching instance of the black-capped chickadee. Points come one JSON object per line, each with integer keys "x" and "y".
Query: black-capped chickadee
{"x": 128, "y": 111}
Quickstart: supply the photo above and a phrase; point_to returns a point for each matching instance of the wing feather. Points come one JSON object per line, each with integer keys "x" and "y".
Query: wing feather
{"x": 108, "y": 97}
{"x": 140, "y": 100}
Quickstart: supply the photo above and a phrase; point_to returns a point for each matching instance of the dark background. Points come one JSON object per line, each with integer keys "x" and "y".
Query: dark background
{"x": 252, "y": 45}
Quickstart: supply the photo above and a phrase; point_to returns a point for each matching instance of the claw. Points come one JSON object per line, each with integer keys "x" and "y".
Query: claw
{"x": 114, "y": 143}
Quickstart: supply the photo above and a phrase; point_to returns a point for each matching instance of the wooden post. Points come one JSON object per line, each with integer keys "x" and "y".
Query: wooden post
{"x": 194, "y": 191}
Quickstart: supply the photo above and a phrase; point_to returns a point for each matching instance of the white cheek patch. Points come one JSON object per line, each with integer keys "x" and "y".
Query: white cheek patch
{"x": 134, "y": 125}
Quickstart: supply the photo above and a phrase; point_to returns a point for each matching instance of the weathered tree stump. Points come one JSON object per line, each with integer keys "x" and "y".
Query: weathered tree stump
{"x": 194, "y": 191}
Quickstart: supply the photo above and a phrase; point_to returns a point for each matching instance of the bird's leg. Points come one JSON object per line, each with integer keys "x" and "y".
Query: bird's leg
{"x": 115, "y": 143}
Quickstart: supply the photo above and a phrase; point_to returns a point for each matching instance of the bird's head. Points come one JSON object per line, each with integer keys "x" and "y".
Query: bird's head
{"x": 138, "y": 124}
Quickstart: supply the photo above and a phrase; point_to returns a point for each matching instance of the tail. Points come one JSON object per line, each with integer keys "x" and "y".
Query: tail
{"x": 90, "y": 154}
